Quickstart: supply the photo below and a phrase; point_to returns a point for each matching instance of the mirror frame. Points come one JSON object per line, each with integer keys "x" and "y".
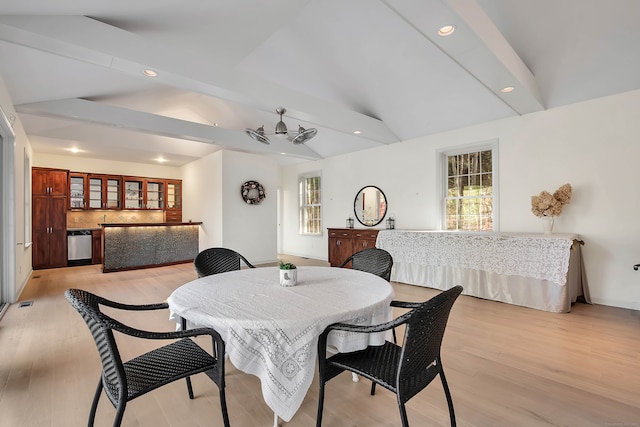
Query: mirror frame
{"x": 356, "y": 212}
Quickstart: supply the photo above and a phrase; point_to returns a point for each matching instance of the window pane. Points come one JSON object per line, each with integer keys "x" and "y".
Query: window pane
{"x": 310, "y": 205}
{"x": 453, "y": 187}
{"x": 451, "y": 166}
{"x": 469, "y": 193}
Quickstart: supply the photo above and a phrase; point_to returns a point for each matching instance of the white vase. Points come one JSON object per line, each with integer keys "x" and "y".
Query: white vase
{"x": 547, "y": 224}
{"x": 289, "y": 277}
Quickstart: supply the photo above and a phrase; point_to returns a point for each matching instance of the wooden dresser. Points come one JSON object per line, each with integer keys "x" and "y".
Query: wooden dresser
{"x": 344, "y": 242}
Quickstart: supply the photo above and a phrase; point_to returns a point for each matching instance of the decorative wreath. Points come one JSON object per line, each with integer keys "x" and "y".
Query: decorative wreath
{"x": 252, "y": 192}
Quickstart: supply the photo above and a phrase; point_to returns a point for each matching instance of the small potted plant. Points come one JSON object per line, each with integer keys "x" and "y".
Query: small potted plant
{"x": 288, "y": 274}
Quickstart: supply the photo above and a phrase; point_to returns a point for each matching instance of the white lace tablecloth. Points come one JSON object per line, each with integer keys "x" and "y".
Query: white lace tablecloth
{"x": 272, "y": 331}
{"x": 532, "y": 270}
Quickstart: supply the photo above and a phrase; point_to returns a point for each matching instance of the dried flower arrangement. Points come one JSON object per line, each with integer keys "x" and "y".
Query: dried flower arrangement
{"x": 547, "y": 204}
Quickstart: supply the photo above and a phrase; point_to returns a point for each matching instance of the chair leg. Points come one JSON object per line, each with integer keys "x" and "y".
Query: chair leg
{"x": 223, "y": 406}
{"x": 94, "y": 404}
{"x": 403, "y": 415}
{"x": 320, "y": 404}
{"x": 447, "y": 393}
{"x": 119, "y": 413}
{"x": 189, "y": 387}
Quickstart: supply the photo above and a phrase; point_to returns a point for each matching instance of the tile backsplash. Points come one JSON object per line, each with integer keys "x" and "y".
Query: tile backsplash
{"x": 93, "y": 219}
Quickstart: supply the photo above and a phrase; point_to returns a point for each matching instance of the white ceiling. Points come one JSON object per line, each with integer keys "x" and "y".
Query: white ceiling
{"x": 74, "y": 70}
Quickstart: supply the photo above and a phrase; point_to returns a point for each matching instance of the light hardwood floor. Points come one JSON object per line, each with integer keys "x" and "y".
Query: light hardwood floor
{"x": 506, "y": 365}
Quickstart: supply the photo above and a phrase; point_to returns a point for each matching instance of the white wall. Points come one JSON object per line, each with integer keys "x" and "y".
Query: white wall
{"x": 594, "y": 146}
{"x": 21, "y": 144}
{"x": 212, "y": 195}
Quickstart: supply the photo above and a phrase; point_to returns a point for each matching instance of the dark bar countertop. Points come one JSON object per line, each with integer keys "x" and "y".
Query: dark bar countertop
{"x": 149, "y": 224}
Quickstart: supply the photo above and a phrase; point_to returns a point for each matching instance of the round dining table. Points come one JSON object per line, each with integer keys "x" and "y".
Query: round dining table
{"x": 272, "y": 331}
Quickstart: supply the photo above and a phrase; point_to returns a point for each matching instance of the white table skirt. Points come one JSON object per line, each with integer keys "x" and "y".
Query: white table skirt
{"x": 272, "y": 331}
{"x": 532, "y": 270}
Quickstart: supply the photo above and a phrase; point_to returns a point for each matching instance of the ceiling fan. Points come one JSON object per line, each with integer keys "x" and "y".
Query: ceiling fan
{"x": 300, "y": 136}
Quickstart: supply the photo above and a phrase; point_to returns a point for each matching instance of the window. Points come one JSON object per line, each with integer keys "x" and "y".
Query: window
{"x": 27, "y": 199}
{"x": 469, "y": 191}
{"x": 310, "y": 204}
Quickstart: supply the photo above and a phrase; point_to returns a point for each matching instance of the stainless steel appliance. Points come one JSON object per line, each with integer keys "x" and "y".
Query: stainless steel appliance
{"x": 78, "y": 247}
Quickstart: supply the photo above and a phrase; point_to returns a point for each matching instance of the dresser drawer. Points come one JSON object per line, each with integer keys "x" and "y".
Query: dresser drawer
{"x": 343, "y": 233}
{"x": 365, "y": 234}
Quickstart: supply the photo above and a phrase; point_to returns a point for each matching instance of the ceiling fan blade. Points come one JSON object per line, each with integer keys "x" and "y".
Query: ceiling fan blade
{"x": 258, "y": 135}
{"x": 304, "y": 135}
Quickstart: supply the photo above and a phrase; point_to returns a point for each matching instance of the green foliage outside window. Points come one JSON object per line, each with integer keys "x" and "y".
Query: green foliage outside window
{"x": 310, "y": 205}
{"x": 469, "y": 198}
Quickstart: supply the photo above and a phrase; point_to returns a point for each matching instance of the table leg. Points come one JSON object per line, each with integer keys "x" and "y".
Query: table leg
{"x": 275, "y": 420}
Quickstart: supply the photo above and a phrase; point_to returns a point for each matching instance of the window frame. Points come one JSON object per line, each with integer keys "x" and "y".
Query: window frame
{"x": 302, "y": 178}
{"x": 442, "y": 181}
{"x": 27, "y": 200}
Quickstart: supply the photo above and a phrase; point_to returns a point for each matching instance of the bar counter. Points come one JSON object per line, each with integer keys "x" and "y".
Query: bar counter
{"x": 142, "y": 245}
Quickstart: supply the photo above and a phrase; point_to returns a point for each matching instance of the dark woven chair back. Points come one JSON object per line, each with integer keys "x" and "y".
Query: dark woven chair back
{"x": 424, "y": 332}
{"x": 87, "y": 304}
{"x": 372, "y": 260}
{"x": 218, "y": 260}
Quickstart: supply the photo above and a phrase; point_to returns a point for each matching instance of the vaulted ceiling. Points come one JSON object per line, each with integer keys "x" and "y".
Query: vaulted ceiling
{"x": 75, "y": 70}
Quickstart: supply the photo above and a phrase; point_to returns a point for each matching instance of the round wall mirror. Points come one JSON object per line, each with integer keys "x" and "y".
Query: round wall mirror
{"x": 370, "y": 206}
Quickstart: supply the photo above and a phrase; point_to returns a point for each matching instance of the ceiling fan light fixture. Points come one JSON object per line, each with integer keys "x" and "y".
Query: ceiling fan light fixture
{"x": 281, "y": 128}
{"x": 281, "y": 131}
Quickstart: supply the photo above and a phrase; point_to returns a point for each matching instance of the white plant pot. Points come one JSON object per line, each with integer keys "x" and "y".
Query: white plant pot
{"x": 289, "y": 277}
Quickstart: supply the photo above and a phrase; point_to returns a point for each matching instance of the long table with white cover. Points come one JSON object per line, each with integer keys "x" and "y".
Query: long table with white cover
{"x": 272, "y": 331}
{"x": 542, "y": 271}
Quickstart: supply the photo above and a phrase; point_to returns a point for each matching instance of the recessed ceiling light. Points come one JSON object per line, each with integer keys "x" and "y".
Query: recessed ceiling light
{"x": 149, "y": 73}
{"x": 161, "y": 160}
{"x": 507, "y": 89}
{"x": 446, "y": 30}
{"x": 356, "y": 132}
{"x": 74, "y": 150}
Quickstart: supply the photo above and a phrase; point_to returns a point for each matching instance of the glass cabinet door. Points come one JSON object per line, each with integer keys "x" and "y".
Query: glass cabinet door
{"x": 133, "y": 198}
{"x": 155, "y": 195}
{"x": 174, "y": 195}
{"x": 76, "y": 194}
{"x": 95, "y": 193}
{"x": 113, "y": 193}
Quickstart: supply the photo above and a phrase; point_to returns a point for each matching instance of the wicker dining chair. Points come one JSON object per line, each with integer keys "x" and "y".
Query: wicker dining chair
{"x": 218, "y": 260}
{"x": 375, "y": 261}
{"x": 372, "y": 260}
{"x": 404, "y": 370}
{"x": 125, "y": 381}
